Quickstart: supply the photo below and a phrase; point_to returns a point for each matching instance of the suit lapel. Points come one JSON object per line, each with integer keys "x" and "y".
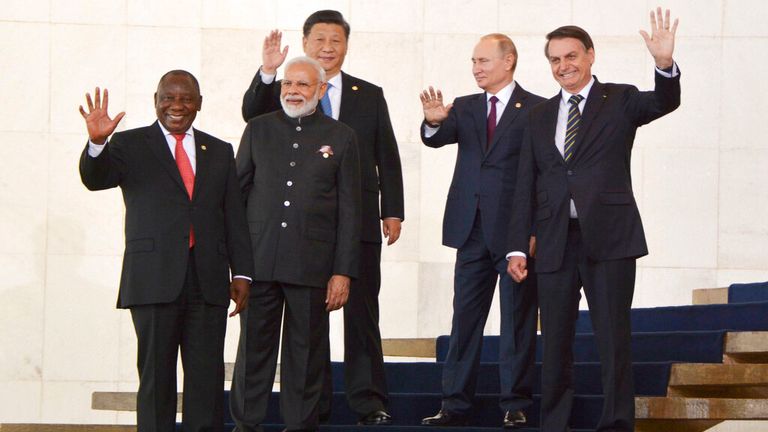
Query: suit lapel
{"x": 480, "y": 112}
{"x": 159, "y": 146}
{"x": 595, "y": 102}
{"x": 515, "y": 103}
{"x": 202, "y": 162}
{"x": 551, "y": 112}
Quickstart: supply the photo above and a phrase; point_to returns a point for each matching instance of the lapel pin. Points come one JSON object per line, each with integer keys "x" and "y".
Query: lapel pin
{"x": 518, "y": 105}
{"x": 354, "y": 88}
{"x": 202, "y": 147}
{"x": 605, "y": 96}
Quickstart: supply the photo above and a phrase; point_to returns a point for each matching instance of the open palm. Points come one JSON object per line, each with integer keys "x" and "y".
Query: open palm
{"x": 97, "y": 120}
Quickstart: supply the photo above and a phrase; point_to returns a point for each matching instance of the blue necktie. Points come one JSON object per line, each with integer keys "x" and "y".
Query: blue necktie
{"x": 325, "y": 102}
{"x": 572, "y": 128}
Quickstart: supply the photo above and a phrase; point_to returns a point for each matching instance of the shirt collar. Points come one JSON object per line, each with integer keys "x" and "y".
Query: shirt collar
{"x": 166, "y": 132}
{"x": 503, "y": 95}
{"x": 336, "y": 81}
{"x": 584, "y": 92}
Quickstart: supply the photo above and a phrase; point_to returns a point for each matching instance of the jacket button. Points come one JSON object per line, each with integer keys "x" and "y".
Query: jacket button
{"x": 289, "y": 183}
{"x": 287, "y": 203}
{"x": 295, "y": 145}
{"x": 570, "y": 173}
{"x": 283, "y": 224}
{"x": 293, "y": 164}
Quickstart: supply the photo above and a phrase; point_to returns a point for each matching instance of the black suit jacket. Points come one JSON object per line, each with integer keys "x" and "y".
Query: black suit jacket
{"x": 158, "y": 214}
{"x": 482, "y": 179}
{"x": 598, "y": 178}
{"x": 364, "y": 109}
{"x": 303, "y": 208}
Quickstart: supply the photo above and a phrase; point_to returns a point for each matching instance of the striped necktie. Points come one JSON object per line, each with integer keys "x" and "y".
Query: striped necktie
{"x": 572, "y": 128}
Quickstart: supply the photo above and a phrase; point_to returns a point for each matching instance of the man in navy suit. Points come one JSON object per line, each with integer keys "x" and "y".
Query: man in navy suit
{"x": 577, "y": 163}
{"x": 488, "y": 128}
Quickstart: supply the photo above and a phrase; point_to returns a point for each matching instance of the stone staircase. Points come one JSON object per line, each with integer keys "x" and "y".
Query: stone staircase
{"x": 698, "y": 395}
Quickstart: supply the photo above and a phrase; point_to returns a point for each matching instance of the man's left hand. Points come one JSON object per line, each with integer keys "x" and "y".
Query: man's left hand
{"x": 238, "y": 292}
{"x": 390, "y": 227}
{"x": 661, "y": 42}
{"x": 338, "y": 292}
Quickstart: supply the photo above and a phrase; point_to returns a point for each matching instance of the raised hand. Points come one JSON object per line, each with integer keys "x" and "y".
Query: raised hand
{"x": 661, "y": 42}
{"x": 97, "y": 120}
{"x": 432, "y": 103}
{"x": 271, "y": 55}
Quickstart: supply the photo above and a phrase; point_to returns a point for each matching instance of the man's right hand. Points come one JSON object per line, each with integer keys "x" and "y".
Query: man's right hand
{"x": 432, "y": 103}
{"x": 97, "y": 120}
{"x": 271, "y": 56}
{"x": 517, "y": 268}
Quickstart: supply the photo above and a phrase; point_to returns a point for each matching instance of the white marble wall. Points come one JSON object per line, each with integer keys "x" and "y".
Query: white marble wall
{"x": 699, "y": 173}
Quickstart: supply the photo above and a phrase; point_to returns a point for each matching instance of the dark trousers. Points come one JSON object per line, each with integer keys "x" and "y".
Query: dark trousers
{"x": 303, "y": 355}
{"x": 608, "y": 286}
{"x": 475, "y": 276}
{"x": 364, "y": 379}
{"x": 198, "y": 328}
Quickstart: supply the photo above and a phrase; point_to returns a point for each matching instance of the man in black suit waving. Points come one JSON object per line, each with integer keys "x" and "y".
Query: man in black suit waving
{"x": 361, "y": 106}
{"x": 576, "y": 166}
{"x": 185, "y": 230}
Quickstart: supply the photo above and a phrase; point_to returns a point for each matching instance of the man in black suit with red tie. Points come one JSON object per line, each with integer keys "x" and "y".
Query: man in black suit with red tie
{"x": 575, "y": 166}
{"x": 488, "y": 128}
{"x": 185, "y": 230}
{"x": 361, "y": 106}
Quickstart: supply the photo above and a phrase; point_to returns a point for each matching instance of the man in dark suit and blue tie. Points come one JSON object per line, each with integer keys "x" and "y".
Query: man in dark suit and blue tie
{"x": 488, "y": 128}
{"x": 361, "y": 106}
{"x": 575, "y": 166}
{"x": 185, "y": 230}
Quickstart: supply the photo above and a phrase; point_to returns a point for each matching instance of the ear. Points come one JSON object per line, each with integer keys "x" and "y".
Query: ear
{"x": 304, "y": 44}
{"x": 200, "y": 103}
{"x": 323, "y": 89}
{"x": 591, "y": 56}
{"x": 154, "y": 98}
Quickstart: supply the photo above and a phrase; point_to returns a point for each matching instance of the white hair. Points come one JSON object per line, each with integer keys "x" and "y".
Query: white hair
{"x": 310, "y": 61}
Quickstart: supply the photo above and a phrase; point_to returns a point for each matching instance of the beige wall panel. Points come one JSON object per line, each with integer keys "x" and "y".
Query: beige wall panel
{"x": 743, "y": 209}
{"x": 435, "y": 298}
{"x": 744, "y": 18}
{"x": 26, "y": 10}
{"x": 82, "y": 58}
{"x": 461, "y": 16}
{"x": 389, "y": 16}
{"x": 521, "y": 17}
{"x": 399, "y": 300}
{"x": 81, "y": 323}
{"x": 292, "y": 13}
{"x": 437, "y": 167}
{"x": 407, "y": 247}
{"x": 21, "y": 401}
{"x": 22, "y": 293}
{"x": 70, "y": 402}
{"x": 699, "y": 18}
{"x": 744, "y": 105}
{"x": 681, "y": 207}
{"x": 610, "y": 18}
{"x": 726, "y": 277}
{"x": 23, "y": 186}
{"x": 26, "y": 73}
{"x": 239, "y": 14}
{"x": 89, "y": 12}
{"x": 181, "y": 13}
{"x": 663, "y": 286}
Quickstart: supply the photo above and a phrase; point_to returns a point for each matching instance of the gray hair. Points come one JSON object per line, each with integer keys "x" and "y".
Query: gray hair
{"x": 310, "y": 61}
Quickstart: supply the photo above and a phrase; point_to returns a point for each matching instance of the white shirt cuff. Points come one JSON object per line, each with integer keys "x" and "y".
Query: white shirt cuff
{"x": 516, "y": 253}
{"x": 674, "y": 73}
{"x": 242, "y": 277}
{"x": 94, "y": 150}
{"x": 267, "y": 78}
{"x": 430, "y": 131}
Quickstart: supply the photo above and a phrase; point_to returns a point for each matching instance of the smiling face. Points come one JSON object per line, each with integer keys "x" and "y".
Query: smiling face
{"x": 300, "y": 90}
{"x": 571, "y": 63}
{"x": 177, "y": 102}
{"x": 327, "y": 43}
{"x": 492, "y": 69}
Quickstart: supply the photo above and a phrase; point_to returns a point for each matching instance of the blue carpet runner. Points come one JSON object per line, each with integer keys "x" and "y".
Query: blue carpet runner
{"x": 748, "y": 292}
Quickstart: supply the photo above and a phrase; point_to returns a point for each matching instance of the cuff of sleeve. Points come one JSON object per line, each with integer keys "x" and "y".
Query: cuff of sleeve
{"x": 671, "y": 72}
{"x": 267, "y": 78}
{"x": 242, "y": 277}
{"x": 94, "y": 150}
{"x": 430, "y": 131}
{"x": 516, "y": 253}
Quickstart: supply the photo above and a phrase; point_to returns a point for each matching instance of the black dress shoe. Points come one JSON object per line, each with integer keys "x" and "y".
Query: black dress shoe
{"x": 445, "y": 418}
{"x": 376, "y": 418}
{"x": 514, "y": 419}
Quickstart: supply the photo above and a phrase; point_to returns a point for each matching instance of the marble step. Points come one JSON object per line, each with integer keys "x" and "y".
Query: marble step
{"x": 678, "y": 414}
{"x": 746, "y": 347}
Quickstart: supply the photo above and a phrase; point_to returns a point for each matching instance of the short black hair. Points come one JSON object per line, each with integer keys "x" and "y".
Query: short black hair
{"x": 570, "y": 31}
{"x": 180, "y": 72}
{"x": 326, "y": 17}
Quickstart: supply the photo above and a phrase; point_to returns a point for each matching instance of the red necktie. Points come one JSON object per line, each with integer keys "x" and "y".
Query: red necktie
{"x": 491, "y": 128}
{"x": 187, "y": 175}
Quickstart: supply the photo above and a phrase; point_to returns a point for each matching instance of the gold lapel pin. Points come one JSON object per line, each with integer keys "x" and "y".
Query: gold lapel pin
{"x": 518, "y": 105}
{"x": 354, "y": 88}
{"x": 203, "y": 147}
{"x": 605, "y": 96}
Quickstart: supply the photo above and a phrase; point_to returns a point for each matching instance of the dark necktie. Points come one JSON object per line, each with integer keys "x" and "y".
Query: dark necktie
{"x": 572, "y": 128}
{"x": 187, "y": 175}
{"x": 491, "y": 127}
{"x": 325, "y": 102}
